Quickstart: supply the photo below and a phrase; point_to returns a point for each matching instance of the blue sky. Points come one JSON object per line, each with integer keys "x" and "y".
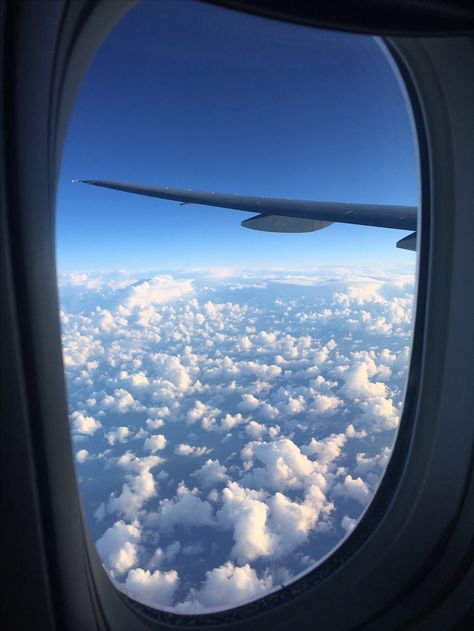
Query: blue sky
{"x": 194, "y": 96}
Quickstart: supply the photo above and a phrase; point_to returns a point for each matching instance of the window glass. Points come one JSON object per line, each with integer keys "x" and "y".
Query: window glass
{"x": 234, "y": 394}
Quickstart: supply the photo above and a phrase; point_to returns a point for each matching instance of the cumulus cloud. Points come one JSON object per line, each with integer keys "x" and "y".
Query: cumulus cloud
{"x": 134, "y": 495}
{"x": 118, "y": 547}
{"x": 348, "y": 523}
{"x": 86, "y": 425}
{"x": 139, "y": 488}
{"x": 355, "y": 488}
{"x": 358, "y": 384}
{"x": 183, "y": 449}
{"x": 287, "y": 389}
{"x": 246, "y": 513}
{"x": 158, "y": 290}
{"x": 82, "y": 455}
{"x": 325, "y": 450}
{"x": 152, "y": 588}
{"x": 293, "y": 521}
{"x": 211, "y": 473}
{"x": 380, "y": 413}
{"x": 185, "y": 509}
{"x": 366, "y": 463}
{"x": 154, "y": 443}
{"x": 229, "y": 584}
{"x": 119, "y": 434}
{"x": 284, "y": 464}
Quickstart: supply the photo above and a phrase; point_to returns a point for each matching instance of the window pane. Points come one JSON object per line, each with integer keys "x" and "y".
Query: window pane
{"x": 234, "y": 394}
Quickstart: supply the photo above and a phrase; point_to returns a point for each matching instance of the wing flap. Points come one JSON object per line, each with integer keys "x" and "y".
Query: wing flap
{"x": 277, "y": 223}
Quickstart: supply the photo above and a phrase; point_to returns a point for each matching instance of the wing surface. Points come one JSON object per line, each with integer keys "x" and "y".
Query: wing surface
{"x": 380, "y": 215}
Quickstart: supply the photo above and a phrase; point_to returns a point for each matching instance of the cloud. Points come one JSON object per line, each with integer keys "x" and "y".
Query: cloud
{"x": 380, "y": 413}
{"x": 152, "y": 588}
{"x": 185, "y": 509}
{"x": 325, "y": 450}
{"x": 244, "y": 511}
{"x": 82, "y": 455}
{"x": 354, "y": 488}
{"x": 154, "y": 443}
{"x": 324, "y": 404}
{"x": 183, "y": 449}
{"x": 286, "y": 387}
{"x": 366, "y": 464}
{"x": 121, "y": 401}
{"x": 211, "y": 473}
{"x": 231, "y": 420}
{"x": 255, "y": 430}
{"x": 156, "y": 291}
{"x": 229, "y": 584}
{"x": 86, "y": 425}
{"x": 348, "y": 524}
{"x": 249, "y": 402}
{"x": 164, "y": 555}
{"x": 154, "y": 423}
{"x": 284, "y": 464}
{"x": 293, "y": 521}
{"x": 139, "y": 488}
{"x": 134, "y": 495}
{"x": 118, "y": 546}
{"x": 119, "y": 434}
{"x": 358, "y": 384}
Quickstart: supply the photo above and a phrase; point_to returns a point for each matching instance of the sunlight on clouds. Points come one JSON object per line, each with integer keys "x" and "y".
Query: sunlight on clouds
{"x": 292, "y": 383}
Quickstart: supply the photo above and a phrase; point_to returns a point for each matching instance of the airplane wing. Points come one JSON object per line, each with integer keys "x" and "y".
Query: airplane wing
{"x": 285, "y": 215}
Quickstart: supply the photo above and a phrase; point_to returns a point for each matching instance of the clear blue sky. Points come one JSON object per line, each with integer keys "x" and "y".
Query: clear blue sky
{"x": 194, "y": 96}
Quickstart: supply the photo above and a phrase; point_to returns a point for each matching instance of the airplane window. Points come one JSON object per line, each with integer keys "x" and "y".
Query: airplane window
{"x": 234, "y": 390}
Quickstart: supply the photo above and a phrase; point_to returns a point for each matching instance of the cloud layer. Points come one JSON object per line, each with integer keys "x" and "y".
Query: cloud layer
{"x": 228, "y": 432}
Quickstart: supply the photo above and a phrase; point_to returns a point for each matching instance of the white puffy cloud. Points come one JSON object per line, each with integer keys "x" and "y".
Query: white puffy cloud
{"x": 265, "y": 338}
{"x": 171, "y": 370}
{"x": 249, "y": 402}
{"x": 348, "y": 523}
{"x": 324, "y": 404}
{"x": 246, "y": 513}
{"x": 255, "y": 430}
{"x": 134, "y": 495}
{"x": 154, "y": 423}
{"x": 355, "y": 488}
{"x": 358, "y": 384}
{"x": 284, "y": 464}
{"x": 367, "y": 463}
{"x": 158, "y": 290}
{"x": 118, "y": 547}
{"x": 211, "y": 473}
{"x": 325, "y": 450}
{"x": 164, "y": 555}
{"x": 139, "y": 488}
{"x": 307, "y": 381}
{"x": 154, "y": 443}
{"x": 152, "y": 588}
{"x": 82, "y": 455}
{"x": 380, "y": 413}
{"x": 119, "y": 434}
{"x": 231, "y": 420}
{"x": 185, "y": 509}
{"x": 86, "y": 425}
{"x": 121, "y": 401}
{"x": 293, "y": 521}
{"x": 229, "y": 584}
{"x": 183, "y": 449}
